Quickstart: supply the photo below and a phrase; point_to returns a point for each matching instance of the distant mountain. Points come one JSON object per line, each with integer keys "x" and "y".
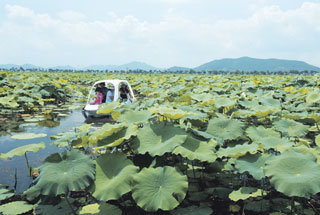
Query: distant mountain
{"x": 136, "y": 65}
{"x": 62, "y": 67}
{"x": 226, "y": 64}
{"x": 178, "y": 68}
{"x": 254, "y": 64}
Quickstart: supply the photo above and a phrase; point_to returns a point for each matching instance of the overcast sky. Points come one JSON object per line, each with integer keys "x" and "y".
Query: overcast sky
{"x": 162, "y": 33}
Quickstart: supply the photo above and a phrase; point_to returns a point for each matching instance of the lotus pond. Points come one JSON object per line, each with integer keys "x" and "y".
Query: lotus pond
{"x": 192, "y": 144}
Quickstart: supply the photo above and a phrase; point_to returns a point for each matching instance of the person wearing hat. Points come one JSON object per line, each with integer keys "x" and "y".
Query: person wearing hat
{"x": 110, "y": 94}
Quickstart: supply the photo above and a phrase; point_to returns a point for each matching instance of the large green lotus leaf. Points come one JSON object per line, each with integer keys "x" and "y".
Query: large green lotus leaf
{"x": 194, "y": 149}
{"x": 227, "y": 129}
{"x": 23, "y": 149}
{"x": 131, "y": 116}
{"x": 238, "y": 150}
{"x": 61, "y": 208}
{"x": 105, "y": 131}
{"x": 270, "y": 102}
{"x": 73, "y": 171}
{"x": 313, "y": 97}
{"x": 169, "y": 112}
{"x": 13, "y": 208}
{"x": 277, "y": 143}
{"x": 193, "y": 210}
{"x": 26, "y": 136}
{"x": 160, "y": 188}
{"x": 317, "y": 140}
{"x": 9, "y": 101}
{"x": 100, "y": 209}
{"x": 117, "y": 138}
{"x": 291, "y": 128}
{"x": 158, "y": 139}
{"x": 202, "y": 97}
{"x": 108, "y": 107}
{"x": 114, "y": 173}
{"x": 5, "y": 194}
{"x": 224, "y": 102}
{"x": 256, "y": 133}
{"x": 253, "y": 164}
{"x": 294, "y": 174}
{"x": 245, "y": 193}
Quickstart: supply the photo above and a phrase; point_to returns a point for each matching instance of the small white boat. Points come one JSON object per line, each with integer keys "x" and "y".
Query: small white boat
{"x": 115, "y": 89}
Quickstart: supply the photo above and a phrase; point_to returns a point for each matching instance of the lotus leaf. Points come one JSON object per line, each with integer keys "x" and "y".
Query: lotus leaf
{"x": 277, "y": 143}
{"x": 107, "y": 108}
{"x": 238, "y": 150}
{"x": 105, "y": 131}
{"x": 135, "y": 116}
{"x": 73, "y": 171}
{"x": 9, "y": 101}
{"x": 160, "y": 188}
{"x": 291, "y": 128}
{"x": 114, "y": 173}
{"x": 196, "y": 149}
{"x": 294, "y": 174}
{"x": 13, "y": 208}
{"x": 5, "y": 194}
{"x": 245, "y": 193}
{"x": 171, "y": 113}
{"x": 193, "y": 210}
{"x": 258, "y": 206}
{"x": 61, "y": 208}
{"x": 100, "y": 209}
{"x": 313, "y": 97}
{"x": 26, "y": 136}
{"x": 117, "y": 138}
{"x": 317, "y": 140}
{"x": 227, "y": 129}
{"x": 158, "y": 139}
{"x": 253, "y": 164}
{"x": 256, "y": 133}
{"x": 23, "y": 149}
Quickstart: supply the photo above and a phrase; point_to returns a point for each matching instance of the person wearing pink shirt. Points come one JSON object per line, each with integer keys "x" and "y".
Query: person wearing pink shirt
{"x": 98, "y": 97}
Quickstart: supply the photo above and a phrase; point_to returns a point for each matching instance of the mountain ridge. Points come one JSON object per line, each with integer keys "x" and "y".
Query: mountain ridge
{"x": 224, "y": 64}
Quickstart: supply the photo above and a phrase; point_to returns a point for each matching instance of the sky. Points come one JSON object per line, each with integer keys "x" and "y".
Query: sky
{"x": 162, "y": 33}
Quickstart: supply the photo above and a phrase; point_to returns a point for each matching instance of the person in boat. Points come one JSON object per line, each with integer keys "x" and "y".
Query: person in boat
{"x": 104, "y": 91}
{"x": 125, "y": 93}
{"x": 98, "y": 97}
{"x": 110, "y": 94}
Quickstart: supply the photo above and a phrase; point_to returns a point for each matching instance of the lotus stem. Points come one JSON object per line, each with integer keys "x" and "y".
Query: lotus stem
{"x": 194, "y": 174}
{"x": 70, "y": 205}
{"x": 292, "y": 205}
{"x": 25, "y": 155}
{"x": 15, "y": 179}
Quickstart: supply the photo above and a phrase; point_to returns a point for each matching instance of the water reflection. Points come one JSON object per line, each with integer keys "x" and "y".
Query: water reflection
{"x": 51, "y": 127}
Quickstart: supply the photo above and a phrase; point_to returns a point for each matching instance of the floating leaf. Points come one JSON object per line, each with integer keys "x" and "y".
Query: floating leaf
{"x": 291, "y": 128}
{"x": 18, "y": 207}
{"x": 134, "y": 116}
{"x": 256, "y": 133}
{"x": 227, "y": 129}
{"x": 158, "y": 139}
{"x": 26, "y": 136}
{"x": 294, "y": 174}
{"x": 160, "y": 188}
{"x": 277, "y": 143}
{"x": 5, "y": 194}
{"x": 238, "y": 150}
{"x": 100, "y": 209}
{"x": 23, "y": 149}
{"x": 253, "y": 164}
{"x": 105, "y": 131}
{"x": 61, "y": 208}
{"x": 245, "y": 193}
{"x": 113, "y": 175}
{"x": 196, "y": 149}
{"x": 193, "y": 210}
{"x": 108, "y": 107}
{"x": 73, "y": 171}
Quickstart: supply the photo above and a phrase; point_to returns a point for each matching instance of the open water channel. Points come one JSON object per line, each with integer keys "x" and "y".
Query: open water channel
{"x": 18, "y": 164}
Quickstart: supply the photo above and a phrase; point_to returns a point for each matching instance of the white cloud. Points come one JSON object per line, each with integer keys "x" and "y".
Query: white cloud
{"x": 70, "y": 38}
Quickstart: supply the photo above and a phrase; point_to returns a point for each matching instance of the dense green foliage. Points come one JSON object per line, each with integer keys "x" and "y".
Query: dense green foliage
{"x": 211, "y": 144}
